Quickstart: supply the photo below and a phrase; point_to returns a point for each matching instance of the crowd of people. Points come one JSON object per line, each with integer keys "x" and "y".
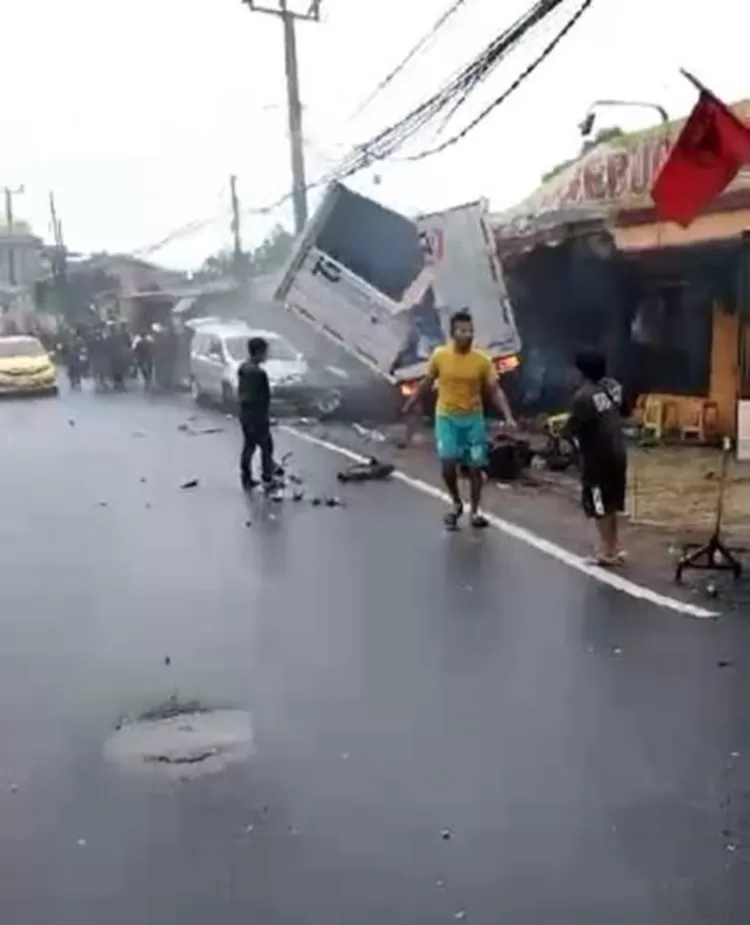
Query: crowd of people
{"x": 112, "y": 357}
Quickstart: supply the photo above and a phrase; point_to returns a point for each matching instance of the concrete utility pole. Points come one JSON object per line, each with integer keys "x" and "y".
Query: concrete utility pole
{"x": 236, "y": 228}
{"x": 288, "y": 16}
{"x": 9, "y": 221}
{"x": 59, "y": 263}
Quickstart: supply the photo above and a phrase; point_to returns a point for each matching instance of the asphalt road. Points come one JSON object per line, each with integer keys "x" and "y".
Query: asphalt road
{"x": 446, "y": 728}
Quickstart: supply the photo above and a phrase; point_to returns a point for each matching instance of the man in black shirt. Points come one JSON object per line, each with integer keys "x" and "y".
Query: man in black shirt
{"x": 596, "y": 423}
{"x": 254, "y": 394}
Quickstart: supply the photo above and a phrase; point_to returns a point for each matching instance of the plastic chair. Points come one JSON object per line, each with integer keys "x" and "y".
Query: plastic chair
{"x": 699, "y": 420}
{"x": 653, "y": 417}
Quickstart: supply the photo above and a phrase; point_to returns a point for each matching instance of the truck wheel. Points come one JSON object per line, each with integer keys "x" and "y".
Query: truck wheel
{"x": 329, "y": 402}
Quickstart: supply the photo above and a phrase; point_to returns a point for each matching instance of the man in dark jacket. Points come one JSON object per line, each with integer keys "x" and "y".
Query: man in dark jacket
{"x": 254, "y": 394}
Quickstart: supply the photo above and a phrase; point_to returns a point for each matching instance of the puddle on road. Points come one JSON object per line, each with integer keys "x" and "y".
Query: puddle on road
{"x": 184, "y": 744}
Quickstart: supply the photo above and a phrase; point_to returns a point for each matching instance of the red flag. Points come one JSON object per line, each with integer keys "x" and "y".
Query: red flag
{"x": 712, "y": 147}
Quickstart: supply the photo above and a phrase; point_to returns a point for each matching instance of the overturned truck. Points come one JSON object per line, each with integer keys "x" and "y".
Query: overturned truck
{"x": 383, "y": 286}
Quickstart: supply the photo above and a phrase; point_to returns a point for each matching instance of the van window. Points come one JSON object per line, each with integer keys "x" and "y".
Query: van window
{"x": 278, "y": 349}
{"x": 215, "y": 350}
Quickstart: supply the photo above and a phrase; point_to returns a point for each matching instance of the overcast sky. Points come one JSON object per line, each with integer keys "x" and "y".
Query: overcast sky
{"x": 136, "y": 114}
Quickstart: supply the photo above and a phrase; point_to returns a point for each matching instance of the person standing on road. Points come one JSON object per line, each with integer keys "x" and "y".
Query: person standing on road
{"x": 596, "y": 424}
{"x": 254, "y": 395}
{"x": 143, "y": 353}
{"x": 466, "y": 382}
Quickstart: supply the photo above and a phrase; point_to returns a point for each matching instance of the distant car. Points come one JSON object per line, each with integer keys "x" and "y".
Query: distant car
{"x": 25, "y": 367}
{"x": 217, "y": 350}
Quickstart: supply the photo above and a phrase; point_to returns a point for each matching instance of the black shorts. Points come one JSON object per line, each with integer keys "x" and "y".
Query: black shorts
{"x": 603, "y": 492}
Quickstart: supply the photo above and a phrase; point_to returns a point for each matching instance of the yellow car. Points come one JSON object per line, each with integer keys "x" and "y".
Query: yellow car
{"x": 25, "y": 367}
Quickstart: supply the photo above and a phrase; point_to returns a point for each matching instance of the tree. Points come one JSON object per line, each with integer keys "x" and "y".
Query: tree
{"x": 273, "y": 252}
{"x": 602, "y": 136}
{"x": 271, "y": 255}
{"x": 217, "y": 266}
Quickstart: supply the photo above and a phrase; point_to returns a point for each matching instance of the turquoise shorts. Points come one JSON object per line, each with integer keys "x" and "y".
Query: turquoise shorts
{"x": 462, "y": 438}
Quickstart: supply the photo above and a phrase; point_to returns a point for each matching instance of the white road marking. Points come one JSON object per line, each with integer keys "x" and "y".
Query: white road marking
{"x": 337, "y": 371}
{"x": 571, "y": 559}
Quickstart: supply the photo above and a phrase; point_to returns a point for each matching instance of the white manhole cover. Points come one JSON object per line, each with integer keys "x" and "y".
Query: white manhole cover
{"x": 184, "y": 745}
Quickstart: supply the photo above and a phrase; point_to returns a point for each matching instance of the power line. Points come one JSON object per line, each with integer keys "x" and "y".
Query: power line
{"x": 549, "y": 48}
{"x": 428, "y": 37}
{"x": 394, "y": 136}
{"x": 457, "y": 88}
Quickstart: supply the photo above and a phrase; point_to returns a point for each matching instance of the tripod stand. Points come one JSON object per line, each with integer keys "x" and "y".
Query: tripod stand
{"x": 714, "y": 555}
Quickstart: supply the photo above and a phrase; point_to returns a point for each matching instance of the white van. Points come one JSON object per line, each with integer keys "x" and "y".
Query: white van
{"x": 218, "y": 349}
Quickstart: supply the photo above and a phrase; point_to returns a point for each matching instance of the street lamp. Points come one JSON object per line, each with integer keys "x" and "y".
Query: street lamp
{"x": 586, "y": 126}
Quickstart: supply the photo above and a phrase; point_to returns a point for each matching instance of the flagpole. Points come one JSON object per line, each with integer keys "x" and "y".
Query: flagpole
{"x": 694, "y": 81}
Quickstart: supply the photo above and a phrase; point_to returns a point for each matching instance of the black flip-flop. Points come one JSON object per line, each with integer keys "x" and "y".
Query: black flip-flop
{"x": 479, "y": 522}
{"x": 452, "y": 518}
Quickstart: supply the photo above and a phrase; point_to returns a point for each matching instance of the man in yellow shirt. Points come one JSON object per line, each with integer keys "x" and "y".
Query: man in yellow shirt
{"x": 466, "y": 380}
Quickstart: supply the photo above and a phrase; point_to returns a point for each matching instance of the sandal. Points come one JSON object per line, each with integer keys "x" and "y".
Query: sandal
{"x": 604, "y": 561}
{"x": 479, "y": 521}
{"x": 453, "y": 516}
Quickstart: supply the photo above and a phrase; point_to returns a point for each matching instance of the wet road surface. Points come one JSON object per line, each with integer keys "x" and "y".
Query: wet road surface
{"x": 445, "y": 728}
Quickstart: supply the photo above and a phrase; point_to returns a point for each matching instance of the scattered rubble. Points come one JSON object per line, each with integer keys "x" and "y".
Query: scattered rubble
{"x": 372, "y": 471}
{"x": 368, "y": 434}
{"x": 191, "y": 483}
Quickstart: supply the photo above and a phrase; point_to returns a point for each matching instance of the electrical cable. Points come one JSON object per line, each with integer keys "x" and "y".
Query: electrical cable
{"x": 413, "y": 52}
{"x": 455, "y": 90}
{"x": 549, "y": 48}
{"x": 388, "y": 140}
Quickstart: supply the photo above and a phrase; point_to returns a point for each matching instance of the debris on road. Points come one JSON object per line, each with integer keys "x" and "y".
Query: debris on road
{"x": 724, "y": 664}
{"x": 191, "y": 483}
{"x": 139, "y": 433}
{"x": 333, "y": 501}
{"x": 249, "y": 829}
{"x": 460, "y": 915}
{"x": 440, "y": 884}
{"x": 316, "y": 502}
{"x": 298, "y": 496}
{"x": 13, "y": 788}
{"x": 183, "y": 427}
{"x": 368, "y": 434}
{"x": 142, "y": 480}
{"x": 104, "y": 504}
{"x": 372, "y": 471}
{"x": 81, "y": 842}
{"x": 167, "y": 661}
{"x": 248, "y": 523}
{"x": 446, "y": 835}
{"x": 71, "y": 422}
